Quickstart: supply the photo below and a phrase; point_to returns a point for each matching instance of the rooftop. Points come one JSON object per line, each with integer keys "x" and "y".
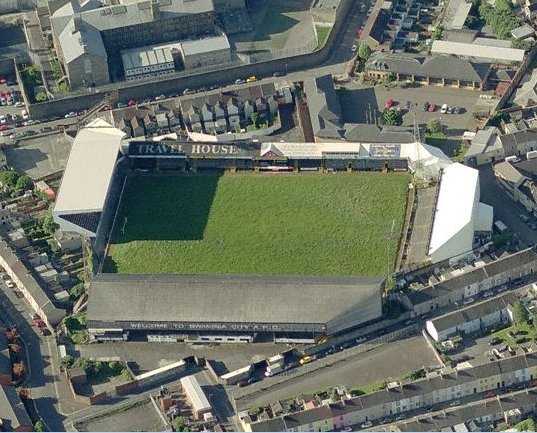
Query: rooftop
{"x": 455, "y": 205}
{"x": 302, "y": 300}
{"x": 89, "y": 169}
{"x": 491, "y": 52}
{"x": 205, "y": 45}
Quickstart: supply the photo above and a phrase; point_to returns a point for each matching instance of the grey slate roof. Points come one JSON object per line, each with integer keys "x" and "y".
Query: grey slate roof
{"x": 511, "y": 142}
{"x": 511, "y": 262}
{"x": 12, "y": 412}
{"x": 506, "y": 170}
{"x": 75, "y": 43}
{"x": 323, "y": 105}
{"x": 369, "y": 133}
{"x": 448, "y": 67}
{"x": 473, "y": 312}
{"x": 230, "y": 298}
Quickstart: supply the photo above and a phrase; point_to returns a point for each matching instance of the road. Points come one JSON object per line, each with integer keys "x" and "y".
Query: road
{"x": 40, "y": 360}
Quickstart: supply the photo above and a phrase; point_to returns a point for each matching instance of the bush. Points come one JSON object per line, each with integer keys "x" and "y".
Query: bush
{"x": 434, "y": 126}
{"x": 24, "y": 183}
{"x": 41, "y": 97}
{"x": 77, "y": 291}
{"x": 67, "y": 361}
{"x": 39, "y": 425}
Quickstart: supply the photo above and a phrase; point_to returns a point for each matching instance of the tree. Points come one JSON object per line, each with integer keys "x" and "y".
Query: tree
{"x": 15, "y": 348}
{"x": 179, "y": 424}
{"x": 64, "y": 88}
{"x": 255, "y": 119}
{"x": 39, "y": 425}
{"x": 19, "y": 369}
{"x": 9, "y": 178}
{"x": 41, "y": 97}
{"x": 24, "y": 183}
{"x": 434, "y": 126}
{"x": 12, "y": 334}
{"x": 527, "y": 425}
{"x": 364, "y": 52}
{"x": 391, "y": 117}
{"x": 48, "y": 225}
{"x": 520, "y": 313}
{"x": 472, "y": 21}
{"x": 77, "y": 291}
{"x": 67, "y": 361}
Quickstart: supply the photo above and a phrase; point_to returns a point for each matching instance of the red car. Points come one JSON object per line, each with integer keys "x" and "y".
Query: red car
{"x": 489, "y": 394}
{"x": 389, "y": 103}
{"x": 242, "y": 383}
{"x": 3, "y": 80}
{"x": 132, "y": 102}
{"x": 432, "y": 108}
{"x": 4, "y": 127}
{"x": 107, "y": 107}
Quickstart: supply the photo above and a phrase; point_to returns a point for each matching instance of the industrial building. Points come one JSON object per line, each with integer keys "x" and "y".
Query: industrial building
{"x": 147, "y": 62}
{"x": 195, "y": 396}
{"x": 89, "y": 37}
{"x": 481, "y": 49}
{"x": 121, "y": 306}
{"x": 474, "y": 318}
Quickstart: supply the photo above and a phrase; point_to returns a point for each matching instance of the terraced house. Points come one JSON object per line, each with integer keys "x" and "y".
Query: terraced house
{"x": 398, "y": 398}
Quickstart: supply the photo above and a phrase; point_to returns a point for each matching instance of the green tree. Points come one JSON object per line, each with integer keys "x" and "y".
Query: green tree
{"x": 526, "y": 425}
{"x": 64, "y": 88}
{"x": 41, "y": 97}
{"x": 114, "y": 366}
{"x": 77, "y": 291}
{"x": 391, "y": 117}
{"x": 472, "y": 22}
{"x": 434, "y": 126}
{"x": 39, "y": 425}
{"x": 48, "y": 225}
{"x": 255, "y": 119}
{"x": 364, "y": 52}
{"x": 9, "y": 178}
{"x": 126, "y": 375}
{"x": 178, "y": 424}
{"x": 24, "y": 183}
{"x": 67, "y": 361}
{"x": 520, "y": 313}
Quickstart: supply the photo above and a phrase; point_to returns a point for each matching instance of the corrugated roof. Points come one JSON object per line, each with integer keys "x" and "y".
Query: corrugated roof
{"x": 195, "y": 394}
{"x": 484, "y": 52}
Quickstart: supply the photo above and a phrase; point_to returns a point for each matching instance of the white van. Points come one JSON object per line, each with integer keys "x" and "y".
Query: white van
{"x": 25, "y": 115}
{"x": 444, "y": 109}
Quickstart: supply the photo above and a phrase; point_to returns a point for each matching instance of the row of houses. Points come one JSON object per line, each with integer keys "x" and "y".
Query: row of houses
{"x": 400, "y": 397}
{"x": 468, "y": 284}
{"x": 489, "y": 145}
{"x": 518, "y": 186}
{"x": 13, "y": 415}
{"x": 474, "y": 318}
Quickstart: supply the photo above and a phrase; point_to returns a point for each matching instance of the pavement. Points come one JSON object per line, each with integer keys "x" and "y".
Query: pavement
{"x": 39, "y": 156}
{"x": 386, "y": 362}
{"x": 505, "y": 209}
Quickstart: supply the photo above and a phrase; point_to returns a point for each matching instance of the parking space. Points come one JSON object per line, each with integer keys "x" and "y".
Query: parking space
{"x": 362, "y": 104}
{"x": 40, "y": 156}
{"x": 155, "y": 355}
{"x": 11, "y": 102}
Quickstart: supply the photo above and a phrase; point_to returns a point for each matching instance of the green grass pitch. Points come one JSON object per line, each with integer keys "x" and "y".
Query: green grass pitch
{"x": 260, "y": 224}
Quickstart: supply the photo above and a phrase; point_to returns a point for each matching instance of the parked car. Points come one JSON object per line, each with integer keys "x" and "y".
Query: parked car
{"x": 361, "y": 340}
{"x": 431, "y": 108}
{"x": 121, "y": 105}
{"x": 132, "y": 102}
{"x": 389, "y": 103}
{"x": 4, "y": 127}
{"x": 489, "y": 394}
{"x": 242, "y": 383}
{"x": 306, "y": 360}
{"x": 19, "y": 104}
{"x": 494, "y": 341}
{"x": 45, "y": 331}
{"x": 524, "y": 218}
{"x": 251, "y": 79}
{"x": 455, "y": 403}
{"x": 366, "y": 424}
{"x": 444, "y": 108}
{"x": 400, "y": 417}
{"x": 239, "y": 81}
{"x": 278, "y": 74}
{"x": 107, "y": 107}
{"x": 354, "y": 48}
{"x": 160, "y": 97}
{"x": 10, "y": 284}
{"x": 72, "y": 114}
{"x": 173, "y": 95}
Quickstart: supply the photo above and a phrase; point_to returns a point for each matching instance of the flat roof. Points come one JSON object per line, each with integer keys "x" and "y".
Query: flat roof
{"x": 458, "y": 20}
{"x": 488, "y": 52}
{"x": 342, "y": 301}
{"x": 146, "y": 56}
{"x": 89, "y": 169}
{"x": 455, "y": 204}
{"x": 205, "y": 45}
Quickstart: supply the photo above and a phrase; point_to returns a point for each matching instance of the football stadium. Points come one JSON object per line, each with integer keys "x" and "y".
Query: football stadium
{"x": 238, "y": 241}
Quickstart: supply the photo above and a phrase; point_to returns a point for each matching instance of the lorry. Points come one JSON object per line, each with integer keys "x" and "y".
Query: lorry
{"x": 500, "y": 226}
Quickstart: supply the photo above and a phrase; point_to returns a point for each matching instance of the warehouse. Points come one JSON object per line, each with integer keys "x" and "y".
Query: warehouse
{"x": 244, "y": 306}
{"x": 195, "y": 396}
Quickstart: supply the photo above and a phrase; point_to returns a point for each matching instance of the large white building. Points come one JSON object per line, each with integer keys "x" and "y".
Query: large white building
{"x": 458, "y": 214}
{"x": 87, "y": 177}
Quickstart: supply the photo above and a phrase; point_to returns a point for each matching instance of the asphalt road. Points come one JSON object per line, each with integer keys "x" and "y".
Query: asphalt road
{"x": 40, "y": 363}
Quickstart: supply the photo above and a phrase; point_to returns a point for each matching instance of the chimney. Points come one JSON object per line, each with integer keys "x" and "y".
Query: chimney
{"x": 155, "y": 10}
